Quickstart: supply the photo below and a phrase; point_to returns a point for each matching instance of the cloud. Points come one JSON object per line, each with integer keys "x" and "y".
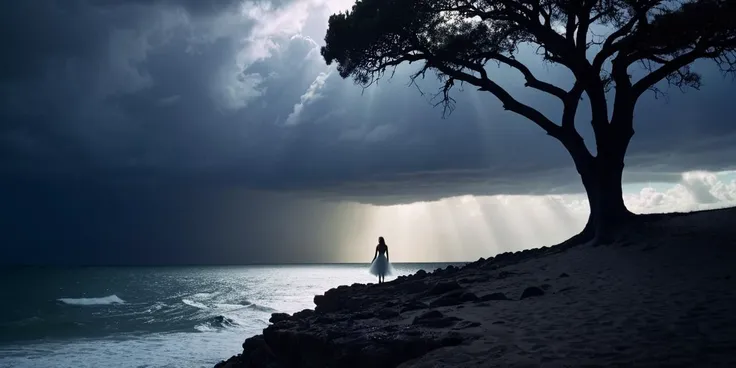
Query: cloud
{"x": 696, "y": 190}
{"x": 168, "y": 101}
{"x": 312, "y": 94}
{"x": 234, "y": 94}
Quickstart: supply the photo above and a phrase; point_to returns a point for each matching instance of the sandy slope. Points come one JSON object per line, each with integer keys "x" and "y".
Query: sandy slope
{"x": 663, "y": 295}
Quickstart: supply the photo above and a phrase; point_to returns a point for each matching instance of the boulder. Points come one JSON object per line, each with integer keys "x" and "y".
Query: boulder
{"x": 531, "y": 291}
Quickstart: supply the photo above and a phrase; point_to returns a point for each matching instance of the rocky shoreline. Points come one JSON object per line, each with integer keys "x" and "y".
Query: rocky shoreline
{"x": 476, "y": 313}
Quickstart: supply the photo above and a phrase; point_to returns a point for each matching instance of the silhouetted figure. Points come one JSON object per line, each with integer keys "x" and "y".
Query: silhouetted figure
{"x": 380, "y": 265}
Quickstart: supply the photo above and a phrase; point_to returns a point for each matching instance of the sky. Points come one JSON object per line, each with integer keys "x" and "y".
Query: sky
{"x": 212, "y": 131}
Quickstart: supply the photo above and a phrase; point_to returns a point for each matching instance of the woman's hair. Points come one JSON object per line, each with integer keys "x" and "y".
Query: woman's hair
{"x": 381, "y": 241}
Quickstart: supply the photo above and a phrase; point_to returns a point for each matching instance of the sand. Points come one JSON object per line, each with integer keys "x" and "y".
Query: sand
{"x": 665, "y": 296}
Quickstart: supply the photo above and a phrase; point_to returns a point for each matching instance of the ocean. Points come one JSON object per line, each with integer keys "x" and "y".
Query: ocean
{"x": 154, "y": 316}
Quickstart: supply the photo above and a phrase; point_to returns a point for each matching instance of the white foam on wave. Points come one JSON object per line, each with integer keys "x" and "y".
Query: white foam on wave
{"x": 204, "y": 295}
{"x": 105, "y": 300}
{"x": 194, "y": 304}
{"x": 261, "y": 308}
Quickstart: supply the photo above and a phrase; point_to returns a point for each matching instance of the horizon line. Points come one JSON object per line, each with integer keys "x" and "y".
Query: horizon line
{"x": 219, "y": 264}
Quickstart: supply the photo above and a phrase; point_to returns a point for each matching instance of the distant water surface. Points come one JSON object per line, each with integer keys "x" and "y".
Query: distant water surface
{"x": 153, "y": 317}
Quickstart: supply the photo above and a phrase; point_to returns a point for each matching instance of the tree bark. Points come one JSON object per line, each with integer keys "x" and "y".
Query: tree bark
{"x": 602, "y": 179}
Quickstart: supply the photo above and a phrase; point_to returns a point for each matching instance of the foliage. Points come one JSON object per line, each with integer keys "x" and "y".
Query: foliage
{"x": 458, "y": 38}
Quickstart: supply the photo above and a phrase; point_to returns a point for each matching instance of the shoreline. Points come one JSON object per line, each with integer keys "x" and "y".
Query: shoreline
{"x": 663, "y": 292}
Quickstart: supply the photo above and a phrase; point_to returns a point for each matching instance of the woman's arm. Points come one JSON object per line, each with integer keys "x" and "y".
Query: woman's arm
{"x": 375, "y": 255}
{"x": 387, "y": 254}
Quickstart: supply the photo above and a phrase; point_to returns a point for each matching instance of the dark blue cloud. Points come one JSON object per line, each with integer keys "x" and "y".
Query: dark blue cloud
{"x": 173, "y": 88}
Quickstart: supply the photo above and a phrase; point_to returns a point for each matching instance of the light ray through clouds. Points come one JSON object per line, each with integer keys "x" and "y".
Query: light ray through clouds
{"x": 467, "y": 227}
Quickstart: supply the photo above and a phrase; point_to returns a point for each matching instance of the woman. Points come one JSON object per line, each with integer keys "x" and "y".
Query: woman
{"x": 379, "y": 265}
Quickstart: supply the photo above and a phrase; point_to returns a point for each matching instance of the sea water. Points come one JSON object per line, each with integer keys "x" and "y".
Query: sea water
{"x": 153, "y": 316}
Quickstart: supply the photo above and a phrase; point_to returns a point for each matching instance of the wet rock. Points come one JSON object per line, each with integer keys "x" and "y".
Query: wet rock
{"x": 303, "y": 314}
{"x": 532, "y": 291}
{"x": 563, "y": 275}
{"x": 278, "y": 317}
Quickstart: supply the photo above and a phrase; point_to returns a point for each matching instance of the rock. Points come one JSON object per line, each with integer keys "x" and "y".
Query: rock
{"x": 567, "y": 289}
{"x": 454, "y": 298}
{"x": 363, "y": 315}
{"x": 443, "y": 287}
{"x": 255, "y": 351}
{"x": 532, "y": 291}
{"x": 546, "y": 286}
{"x": 562, "y": 275}
{"x": 505, "y": 274}
{"x": 468, "y": 297}
{"x": 413, "y": 287}
{"x": 278, "y": 317}
{"x": 387, "y": 313}
{"x": 429, "y": 315}
{"x": 319, "y": 300}
{"x": 434, "y": 319}
{"x": 421, "y": 273}
{"x": 494, "y": 296}
{"x": 466, "y": 324}
{"x": 303, "y": 314}
{"x": 413, "y": 305}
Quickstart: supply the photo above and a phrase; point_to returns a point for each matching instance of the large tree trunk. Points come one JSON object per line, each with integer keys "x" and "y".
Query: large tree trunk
{"x": 602, "y": 179}
{"x": 602, "y": 182}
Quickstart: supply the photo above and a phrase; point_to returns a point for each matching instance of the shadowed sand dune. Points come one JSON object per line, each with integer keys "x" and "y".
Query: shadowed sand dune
{"x": 663, "y": 294}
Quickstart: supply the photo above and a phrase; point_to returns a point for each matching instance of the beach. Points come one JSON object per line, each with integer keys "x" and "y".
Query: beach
{"x": 661, "y": 294}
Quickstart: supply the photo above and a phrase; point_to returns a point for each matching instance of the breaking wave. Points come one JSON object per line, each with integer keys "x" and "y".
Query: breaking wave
{"x": 105, "y": 300}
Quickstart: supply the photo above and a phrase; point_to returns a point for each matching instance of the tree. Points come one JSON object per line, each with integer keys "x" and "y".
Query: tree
{"x": 458, "y": 38}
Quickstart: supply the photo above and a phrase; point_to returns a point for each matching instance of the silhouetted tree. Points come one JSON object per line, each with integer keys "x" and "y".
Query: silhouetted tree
{"x": 458, "y": 38}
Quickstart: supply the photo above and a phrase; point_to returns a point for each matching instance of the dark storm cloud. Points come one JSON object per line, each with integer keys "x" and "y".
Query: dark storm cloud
{"x": 185, "y": 90}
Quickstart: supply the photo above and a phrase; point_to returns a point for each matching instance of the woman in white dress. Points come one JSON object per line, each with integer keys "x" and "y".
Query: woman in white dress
{"x": 380, "y": 265}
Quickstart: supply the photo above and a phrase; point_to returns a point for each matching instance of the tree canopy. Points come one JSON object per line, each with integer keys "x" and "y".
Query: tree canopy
{"x": 457, "y": 38}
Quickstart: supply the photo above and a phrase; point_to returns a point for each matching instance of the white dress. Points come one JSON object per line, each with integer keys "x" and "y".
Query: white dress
{"x": 381, "y": 266}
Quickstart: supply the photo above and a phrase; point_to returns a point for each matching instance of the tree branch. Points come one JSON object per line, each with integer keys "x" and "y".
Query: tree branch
{"x": 572, "y": 100}
{"x": 609, "y": 47}
{"x": 664, "y": 71}
{"x": 485, "y": 84}
{"x": 531, "y": 80}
